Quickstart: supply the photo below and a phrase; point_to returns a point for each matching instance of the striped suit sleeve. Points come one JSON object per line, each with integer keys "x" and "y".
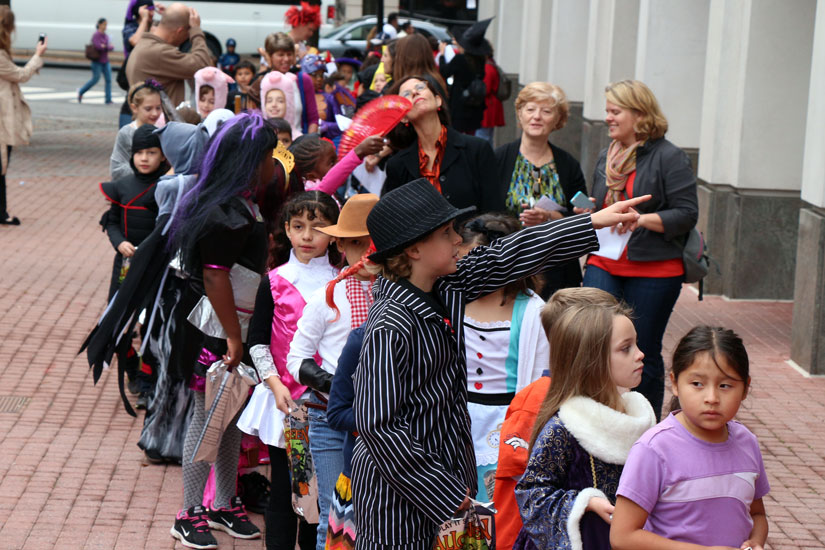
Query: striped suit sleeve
{"x": 402, "y": 462}
{"x": 526, "y": 252}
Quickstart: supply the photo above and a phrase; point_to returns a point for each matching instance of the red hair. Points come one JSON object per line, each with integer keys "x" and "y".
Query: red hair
{"x": 305, "y": 15}
{"x": 343, "y": 274}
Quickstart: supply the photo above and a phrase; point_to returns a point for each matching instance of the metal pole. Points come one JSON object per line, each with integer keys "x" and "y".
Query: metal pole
{"x": 379, "y": 16}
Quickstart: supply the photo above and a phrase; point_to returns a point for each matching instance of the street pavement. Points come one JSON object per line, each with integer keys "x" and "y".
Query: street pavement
{"x": 71, "y": 475}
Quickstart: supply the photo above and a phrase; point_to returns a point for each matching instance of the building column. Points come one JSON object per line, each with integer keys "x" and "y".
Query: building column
{"x": 808, "y": 327}
{"x": 565, "y": 66}
{"x": 751, "y": 143}
{"x": 612, "y": 32}
{"x": 507, "y": 51}
{"x": 535, "y": 40}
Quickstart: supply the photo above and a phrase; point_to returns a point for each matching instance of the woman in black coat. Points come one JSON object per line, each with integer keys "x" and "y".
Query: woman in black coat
{"x": 461, "y": 167}
{"x": 531, "y": 167}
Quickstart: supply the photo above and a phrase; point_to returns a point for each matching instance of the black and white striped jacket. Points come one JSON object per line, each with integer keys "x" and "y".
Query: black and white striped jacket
{"x": 414, "y": 460}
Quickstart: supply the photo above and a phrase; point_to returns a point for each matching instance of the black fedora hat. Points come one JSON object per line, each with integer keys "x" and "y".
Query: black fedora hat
{"x": 406, "y": 215}
{"x": 473, "y": 41}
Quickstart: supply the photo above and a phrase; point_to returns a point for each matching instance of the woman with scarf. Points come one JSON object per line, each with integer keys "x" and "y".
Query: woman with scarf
{"x": 649, "y": 273}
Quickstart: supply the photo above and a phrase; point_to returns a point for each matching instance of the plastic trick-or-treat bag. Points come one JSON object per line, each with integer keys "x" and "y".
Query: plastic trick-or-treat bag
{"x": 304, "y": 482}
{"x": 473, "y": 529}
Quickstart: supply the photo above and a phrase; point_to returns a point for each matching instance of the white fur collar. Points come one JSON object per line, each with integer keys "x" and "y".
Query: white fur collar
{"x": 606, "y": 433}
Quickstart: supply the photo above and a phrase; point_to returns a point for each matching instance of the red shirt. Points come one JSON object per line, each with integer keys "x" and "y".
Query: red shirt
{"x": 433, "y": 174}
{"x": 629, "y": 268}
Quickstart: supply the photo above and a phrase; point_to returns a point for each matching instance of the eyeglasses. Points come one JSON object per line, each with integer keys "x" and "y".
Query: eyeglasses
{"x": 419, "y": 88}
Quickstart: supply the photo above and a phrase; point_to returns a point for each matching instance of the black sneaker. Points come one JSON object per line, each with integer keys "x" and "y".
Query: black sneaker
{"x": 192, "y": 530}
{"x": 234, "y": 521}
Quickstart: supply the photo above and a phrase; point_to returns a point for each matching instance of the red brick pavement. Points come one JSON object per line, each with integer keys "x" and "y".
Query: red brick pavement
{"x": 72, "y": 476}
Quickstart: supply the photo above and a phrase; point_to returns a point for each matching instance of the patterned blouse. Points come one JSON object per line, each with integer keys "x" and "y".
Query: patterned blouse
{"x": 530, "y": 183}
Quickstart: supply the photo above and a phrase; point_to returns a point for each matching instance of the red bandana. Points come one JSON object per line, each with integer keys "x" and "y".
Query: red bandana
{"x": 360, "y": 300}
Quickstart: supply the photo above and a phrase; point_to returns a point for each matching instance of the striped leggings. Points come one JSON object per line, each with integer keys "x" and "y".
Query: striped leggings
{"x": 195, "y": 474}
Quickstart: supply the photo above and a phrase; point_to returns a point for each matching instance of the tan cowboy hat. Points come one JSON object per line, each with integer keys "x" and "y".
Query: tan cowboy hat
{"x": 352, "y": 222}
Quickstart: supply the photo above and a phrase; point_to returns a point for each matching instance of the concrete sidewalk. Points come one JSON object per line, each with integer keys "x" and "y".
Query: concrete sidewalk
{"x": 72, "y": 475}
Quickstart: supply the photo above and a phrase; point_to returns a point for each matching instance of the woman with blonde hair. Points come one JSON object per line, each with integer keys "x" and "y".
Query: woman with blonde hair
{"x": 531, "y": 167}
{"x": 649, "y": 273}
{"x": 15, "y": 115}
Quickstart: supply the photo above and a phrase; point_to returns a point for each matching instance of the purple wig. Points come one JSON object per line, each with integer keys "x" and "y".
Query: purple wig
{"x": 229, "y": 169}
{"x": 134, "y": 6}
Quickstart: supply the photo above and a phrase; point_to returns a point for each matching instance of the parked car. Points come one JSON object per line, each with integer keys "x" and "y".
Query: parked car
{"x": 353, "y": 34}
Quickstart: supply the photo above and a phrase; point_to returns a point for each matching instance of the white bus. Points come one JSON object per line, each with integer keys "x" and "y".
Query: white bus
{"x": 70, "y": 25}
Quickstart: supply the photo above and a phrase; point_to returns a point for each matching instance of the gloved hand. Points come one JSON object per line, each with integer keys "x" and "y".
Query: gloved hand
{"x": 310, "y": 374}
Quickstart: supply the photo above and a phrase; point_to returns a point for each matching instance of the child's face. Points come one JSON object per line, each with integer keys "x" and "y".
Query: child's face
{"x": 230, "y": 49}
{"x": 710, "y": 397}
{"x": 275, "y": 104}
{"x": 436, "y": 255}
{"x": 285, "y": 138}
{"x": 329, "y": 88}
{"x": 207, "y": 103}
{"x": 354, "y": 248}
{"x": 347, "y": 71}
{"x": 148, "y": 160}
{"x": 380, "y": 82}
{"x": 149, "y": 110}
{"x": 307, "y": 243}
{"x": 318, "y": 80}
{"x": 243, "y": 76}
{"x": 625, "y": 356}
{"x": 325, "y": 162}
{"x": 282, "y": 60}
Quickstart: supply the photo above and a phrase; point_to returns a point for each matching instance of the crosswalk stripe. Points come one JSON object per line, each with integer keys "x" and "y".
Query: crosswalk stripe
{"x": 91, "y": 96}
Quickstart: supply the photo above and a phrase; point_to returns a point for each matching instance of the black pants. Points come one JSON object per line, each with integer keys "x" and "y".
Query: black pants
{"x": 4, "y": 213}
{"x": 282, "y": 524}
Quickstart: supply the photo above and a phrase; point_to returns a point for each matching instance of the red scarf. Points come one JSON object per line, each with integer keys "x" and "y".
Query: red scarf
{"x": 359, "y": 299}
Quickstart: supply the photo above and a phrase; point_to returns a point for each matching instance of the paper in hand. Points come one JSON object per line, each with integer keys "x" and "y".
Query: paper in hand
{"x": 546, "y": 203}
{"x": 611, "y": 243}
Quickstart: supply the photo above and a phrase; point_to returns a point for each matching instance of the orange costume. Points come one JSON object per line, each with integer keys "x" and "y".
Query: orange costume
{"x": 512, "y": 458}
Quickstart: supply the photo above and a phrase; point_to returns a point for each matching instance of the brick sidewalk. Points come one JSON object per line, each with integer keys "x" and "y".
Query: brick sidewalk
{"x": 72, "y": 476}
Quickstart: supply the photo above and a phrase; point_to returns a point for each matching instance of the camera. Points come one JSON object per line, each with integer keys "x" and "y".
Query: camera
{"x": 42, "y": 37}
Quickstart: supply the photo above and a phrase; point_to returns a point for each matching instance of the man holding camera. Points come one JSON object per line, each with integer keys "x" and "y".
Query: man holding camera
{"x": 156, "y": 54}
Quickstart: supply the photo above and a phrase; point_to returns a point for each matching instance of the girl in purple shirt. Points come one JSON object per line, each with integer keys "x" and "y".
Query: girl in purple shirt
{"x": 100, "y": 40}
{"x": 696, "y": 480}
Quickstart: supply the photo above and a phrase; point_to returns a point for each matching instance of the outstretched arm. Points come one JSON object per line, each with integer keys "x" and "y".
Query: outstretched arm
{"x": 526, "y": 252}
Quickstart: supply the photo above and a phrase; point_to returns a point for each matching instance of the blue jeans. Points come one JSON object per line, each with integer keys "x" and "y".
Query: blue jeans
{"x": 652, "y": 300}
{"x": 327, "y": 448}
{"x": 97, "y": 69}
